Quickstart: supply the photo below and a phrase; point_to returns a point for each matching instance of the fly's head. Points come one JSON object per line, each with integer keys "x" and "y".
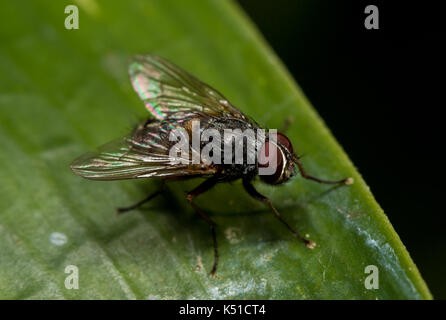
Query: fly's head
{"x": 279, "y": 156}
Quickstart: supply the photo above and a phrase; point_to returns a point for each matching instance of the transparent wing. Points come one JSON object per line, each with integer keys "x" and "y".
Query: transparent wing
{"x": 144, "y": 154}
{"x": 168, "y": 91}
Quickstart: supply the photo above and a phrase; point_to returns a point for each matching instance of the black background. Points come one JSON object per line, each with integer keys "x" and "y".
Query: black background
{"x": 381, "y": 94}
{"x": 169, "y": 309}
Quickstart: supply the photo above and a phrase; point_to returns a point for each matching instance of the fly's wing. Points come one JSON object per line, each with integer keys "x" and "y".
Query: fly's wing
{"x": 170, "y": 92}
{"x": 173, "y": 97}
{"x": 146, "y": 153}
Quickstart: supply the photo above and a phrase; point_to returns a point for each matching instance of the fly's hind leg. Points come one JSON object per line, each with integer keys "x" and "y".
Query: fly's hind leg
{"x": 202, "y": 188}
{"x": 140, "y": 203}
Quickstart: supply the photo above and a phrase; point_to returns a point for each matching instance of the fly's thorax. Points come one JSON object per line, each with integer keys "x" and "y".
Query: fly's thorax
{"x": 230, "y": 172}
{"x": 223, "y": 140}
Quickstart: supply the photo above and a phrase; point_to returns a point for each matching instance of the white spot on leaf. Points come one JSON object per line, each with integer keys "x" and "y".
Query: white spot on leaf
{"x": 58, "y": 239}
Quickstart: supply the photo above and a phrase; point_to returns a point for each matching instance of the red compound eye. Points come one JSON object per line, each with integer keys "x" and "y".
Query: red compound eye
{"x": 270, "y": 154}
{"x": 284, "y": 141}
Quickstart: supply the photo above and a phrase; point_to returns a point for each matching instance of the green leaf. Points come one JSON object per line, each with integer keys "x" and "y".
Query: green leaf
{"x": 64, "y": 92}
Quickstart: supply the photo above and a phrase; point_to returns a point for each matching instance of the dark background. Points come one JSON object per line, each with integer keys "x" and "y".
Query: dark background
{"x": 381, "y": 94}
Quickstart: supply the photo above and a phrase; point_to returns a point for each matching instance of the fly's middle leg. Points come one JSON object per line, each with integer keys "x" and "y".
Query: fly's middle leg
{"x": 258, "y": 196}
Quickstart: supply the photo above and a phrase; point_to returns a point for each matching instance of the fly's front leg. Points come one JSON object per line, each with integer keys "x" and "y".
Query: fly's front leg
{"x": 202, "y": 188}
{"x": 256, "y": 195}
{"x": 308, "y": 177}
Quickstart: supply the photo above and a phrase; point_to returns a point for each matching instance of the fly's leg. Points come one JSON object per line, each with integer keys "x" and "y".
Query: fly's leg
{"x": 202, "y": 188}
{"x": 140, "y": 203}
{"x": 306, "y": 176}
{"x": 256, "y": 195}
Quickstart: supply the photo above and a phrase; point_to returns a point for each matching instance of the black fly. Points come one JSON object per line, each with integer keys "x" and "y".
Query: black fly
{"x": 176, "y": 100}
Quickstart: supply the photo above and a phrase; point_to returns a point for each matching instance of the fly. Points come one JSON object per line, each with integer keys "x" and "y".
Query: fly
{"x": 177, "y": 101}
